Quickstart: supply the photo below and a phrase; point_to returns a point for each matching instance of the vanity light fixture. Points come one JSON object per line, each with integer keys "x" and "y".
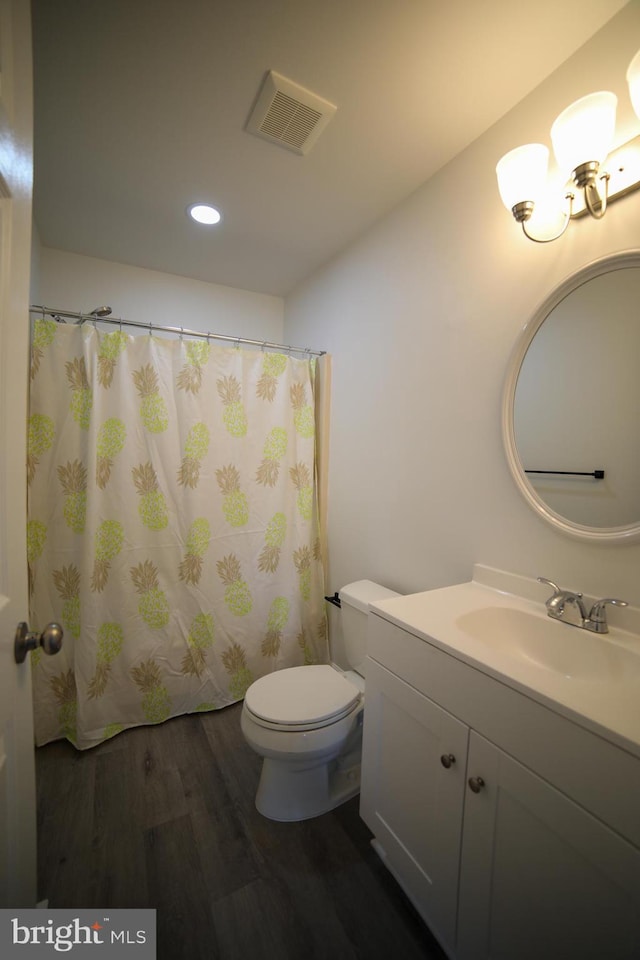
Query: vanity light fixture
{"x": 204, "y": 213}
{"x": 581, "y": 136}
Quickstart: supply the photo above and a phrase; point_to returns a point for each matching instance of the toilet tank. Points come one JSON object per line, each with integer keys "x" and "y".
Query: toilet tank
{"x": 355, "y": 599}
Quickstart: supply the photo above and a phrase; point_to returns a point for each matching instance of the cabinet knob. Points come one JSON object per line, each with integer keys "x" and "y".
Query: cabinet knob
{"x": 447, "y": 759}
{"x": 476, "y": 784}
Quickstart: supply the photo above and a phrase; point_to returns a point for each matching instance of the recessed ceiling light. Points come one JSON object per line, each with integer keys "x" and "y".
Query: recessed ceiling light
{"x": 204, "y": 213}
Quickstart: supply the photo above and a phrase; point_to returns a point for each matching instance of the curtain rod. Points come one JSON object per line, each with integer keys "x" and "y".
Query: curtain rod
{"x": 81, "y": 318}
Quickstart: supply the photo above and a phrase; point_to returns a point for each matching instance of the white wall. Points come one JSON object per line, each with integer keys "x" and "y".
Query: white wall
{"x": 78, "y": 283}
{"x": 421, "y": 316}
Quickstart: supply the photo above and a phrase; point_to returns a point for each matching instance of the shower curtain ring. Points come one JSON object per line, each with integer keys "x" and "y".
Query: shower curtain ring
{"x": 181, "y": 332}
{"x": 150, "y": 328}
{"x": 264, "y": 343}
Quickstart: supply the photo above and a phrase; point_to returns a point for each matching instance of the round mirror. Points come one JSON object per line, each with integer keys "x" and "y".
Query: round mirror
{"x": 571, "y": 405}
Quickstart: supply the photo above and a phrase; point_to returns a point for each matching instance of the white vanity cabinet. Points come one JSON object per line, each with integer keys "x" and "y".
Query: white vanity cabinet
{"x": 527, "y": 843}
{"x": 539, "y": 876}
{"x": 412, "y": 792}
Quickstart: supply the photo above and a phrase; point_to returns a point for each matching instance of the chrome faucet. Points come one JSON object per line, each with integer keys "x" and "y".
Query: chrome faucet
{"x": 556, "y": 604}
{"x": 595, "y": 620}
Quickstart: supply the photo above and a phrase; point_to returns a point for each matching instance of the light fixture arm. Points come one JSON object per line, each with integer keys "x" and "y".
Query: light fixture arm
{"x": 597, "y": 206}
{"x": 522, "y": 212}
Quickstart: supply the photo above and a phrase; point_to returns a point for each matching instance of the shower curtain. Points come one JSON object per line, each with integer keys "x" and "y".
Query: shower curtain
{"x": 173, "y": 525}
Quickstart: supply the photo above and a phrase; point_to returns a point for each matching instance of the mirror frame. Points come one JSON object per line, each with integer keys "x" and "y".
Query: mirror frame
{"x": 622, "y": 534}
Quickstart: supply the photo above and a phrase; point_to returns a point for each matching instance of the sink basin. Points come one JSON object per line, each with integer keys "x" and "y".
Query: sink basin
{"x": 496, "y": 624}
{"x": 550, "y": 645}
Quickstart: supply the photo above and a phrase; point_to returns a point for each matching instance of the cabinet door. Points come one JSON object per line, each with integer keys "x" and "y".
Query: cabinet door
{"x": 409, "y": 799}
{"x": 540, "y": 877}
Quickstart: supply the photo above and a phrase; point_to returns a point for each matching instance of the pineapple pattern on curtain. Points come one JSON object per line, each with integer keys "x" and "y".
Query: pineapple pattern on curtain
{"x": 172, "y": 526}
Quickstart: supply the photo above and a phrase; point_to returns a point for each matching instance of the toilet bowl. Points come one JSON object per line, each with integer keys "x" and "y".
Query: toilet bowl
{"x": 306, "y": 723}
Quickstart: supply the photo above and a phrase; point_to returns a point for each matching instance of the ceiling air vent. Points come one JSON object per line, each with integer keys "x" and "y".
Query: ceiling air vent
{"x": 289, "y": 115}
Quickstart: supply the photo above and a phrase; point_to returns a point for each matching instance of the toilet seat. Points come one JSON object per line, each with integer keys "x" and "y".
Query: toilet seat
{"x": 301, "y": 698}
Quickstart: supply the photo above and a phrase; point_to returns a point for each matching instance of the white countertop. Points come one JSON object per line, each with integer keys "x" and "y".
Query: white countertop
{"x": 592, "y": 679}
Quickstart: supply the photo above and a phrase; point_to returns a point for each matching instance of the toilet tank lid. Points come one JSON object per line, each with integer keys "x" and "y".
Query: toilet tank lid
{"x": 361, "y": 593}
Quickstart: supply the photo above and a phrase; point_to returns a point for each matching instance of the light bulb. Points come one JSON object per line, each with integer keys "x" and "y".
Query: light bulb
{"x": 583, "y": 133}
{"x": 633, "y": 79}
{"x": 204, "y": 213}
{"x": 522, "y": 173}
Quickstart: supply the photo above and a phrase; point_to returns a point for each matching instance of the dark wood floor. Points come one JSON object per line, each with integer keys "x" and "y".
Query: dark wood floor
{"x": 164, "y": 817}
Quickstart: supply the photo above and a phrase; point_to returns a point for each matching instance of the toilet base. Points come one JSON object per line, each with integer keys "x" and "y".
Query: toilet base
{"x": 290, "y": 792}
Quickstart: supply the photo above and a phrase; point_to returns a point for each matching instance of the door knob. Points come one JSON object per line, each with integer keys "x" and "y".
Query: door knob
{"x": 447, "y": 759}
{"x": 50, "y": 640}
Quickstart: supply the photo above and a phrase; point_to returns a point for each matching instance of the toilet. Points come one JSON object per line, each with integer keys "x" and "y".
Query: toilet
{"x": 306, "y": 722}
